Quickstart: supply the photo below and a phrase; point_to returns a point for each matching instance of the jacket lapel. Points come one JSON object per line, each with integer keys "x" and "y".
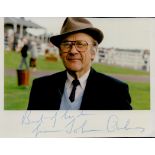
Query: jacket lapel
{"x": 88, "y": 93}
{"x": 59, "y": 86}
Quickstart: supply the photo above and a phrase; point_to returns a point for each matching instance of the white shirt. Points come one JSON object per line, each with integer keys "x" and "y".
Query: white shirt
{"x": 80, "y": 88}
{"x": 66, "y": 104}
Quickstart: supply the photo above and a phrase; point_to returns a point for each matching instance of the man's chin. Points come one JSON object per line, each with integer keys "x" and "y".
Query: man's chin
{"x": 74, "y": 68}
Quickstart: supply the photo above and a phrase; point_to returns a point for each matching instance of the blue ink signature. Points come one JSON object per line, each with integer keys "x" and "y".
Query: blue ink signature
{"x": 68, "y": 118}
{"x": 70, "y": 124}
{"x": 113, "y": 125}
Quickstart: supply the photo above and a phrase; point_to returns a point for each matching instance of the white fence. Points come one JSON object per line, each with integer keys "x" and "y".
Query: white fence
{"x": 132, "y": 58}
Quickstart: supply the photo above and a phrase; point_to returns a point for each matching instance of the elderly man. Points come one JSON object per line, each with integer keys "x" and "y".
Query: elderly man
{"x": 79, "y": 87}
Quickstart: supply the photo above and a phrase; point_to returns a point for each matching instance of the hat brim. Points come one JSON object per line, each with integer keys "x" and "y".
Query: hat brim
{"x": 93, "y": 32}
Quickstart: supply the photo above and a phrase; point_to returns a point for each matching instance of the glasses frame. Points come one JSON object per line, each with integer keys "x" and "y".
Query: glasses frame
{"x": 74, "y": 43}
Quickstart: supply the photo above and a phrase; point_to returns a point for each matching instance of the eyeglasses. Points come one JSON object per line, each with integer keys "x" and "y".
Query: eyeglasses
{"x": 80, "y": 45}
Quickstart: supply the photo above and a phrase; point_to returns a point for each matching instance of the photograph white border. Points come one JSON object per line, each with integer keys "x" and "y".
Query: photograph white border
{"x": 129, "y": 123}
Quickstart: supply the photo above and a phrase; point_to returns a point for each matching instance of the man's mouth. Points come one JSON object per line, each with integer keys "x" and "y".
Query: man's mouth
{"x": 73, "y": 59}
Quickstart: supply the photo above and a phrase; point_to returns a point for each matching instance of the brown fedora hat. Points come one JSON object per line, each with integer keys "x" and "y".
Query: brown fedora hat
{"x": 77, "y": 24}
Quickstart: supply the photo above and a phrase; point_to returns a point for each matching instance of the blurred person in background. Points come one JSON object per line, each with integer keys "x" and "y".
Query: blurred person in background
{"x": 24, "y": 55}
{"x": 34, "y": 55}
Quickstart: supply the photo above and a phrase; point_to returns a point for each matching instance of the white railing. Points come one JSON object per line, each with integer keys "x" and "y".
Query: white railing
{"x": 126, "y": 58}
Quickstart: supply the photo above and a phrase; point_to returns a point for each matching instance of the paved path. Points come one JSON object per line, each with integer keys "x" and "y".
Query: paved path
{"x": 131, "y": 78}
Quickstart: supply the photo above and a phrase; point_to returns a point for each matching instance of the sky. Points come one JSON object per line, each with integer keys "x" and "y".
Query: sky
{"x": 133, "y": 33}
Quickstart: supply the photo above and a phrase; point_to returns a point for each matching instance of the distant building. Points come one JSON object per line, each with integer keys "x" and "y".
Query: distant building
{"x": 17, "y": 28}
{"x": 132, "y": 58}
{"x": 18, "y": 25}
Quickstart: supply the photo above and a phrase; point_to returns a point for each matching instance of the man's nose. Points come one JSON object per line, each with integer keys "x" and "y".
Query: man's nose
{"x": 73, "y": 50}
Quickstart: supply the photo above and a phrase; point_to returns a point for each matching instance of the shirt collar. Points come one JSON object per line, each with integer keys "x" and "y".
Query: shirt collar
{"x": 82, "y": 79}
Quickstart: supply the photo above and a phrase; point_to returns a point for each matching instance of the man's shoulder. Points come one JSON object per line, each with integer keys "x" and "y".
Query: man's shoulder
{"x": 100, "y": 77}
{"x": 53, "y": 77}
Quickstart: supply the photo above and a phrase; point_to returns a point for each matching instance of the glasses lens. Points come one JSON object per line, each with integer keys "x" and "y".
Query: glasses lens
{"x": 80, "y": 45}
{"x": 65, "y": 46}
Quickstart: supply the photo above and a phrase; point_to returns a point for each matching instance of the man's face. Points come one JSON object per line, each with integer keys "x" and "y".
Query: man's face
{"x": 78, "y": 56}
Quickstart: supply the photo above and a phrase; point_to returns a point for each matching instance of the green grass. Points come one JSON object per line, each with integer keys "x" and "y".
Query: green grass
{"x": 140, "y": 93}
{"x": 117, "y": 70}
{"x": 12, "y": 60}
{"x": 16, "y": 98}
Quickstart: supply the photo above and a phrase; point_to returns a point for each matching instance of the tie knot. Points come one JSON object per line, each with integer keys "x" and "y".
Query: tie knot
{"x": 75, "y": 82}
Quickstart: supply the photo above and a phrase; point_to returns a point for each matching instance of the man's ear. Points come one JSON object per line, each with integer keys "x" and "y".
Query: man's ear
{"x": 93, "y": 53}
{"x": 93, "y": 56}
